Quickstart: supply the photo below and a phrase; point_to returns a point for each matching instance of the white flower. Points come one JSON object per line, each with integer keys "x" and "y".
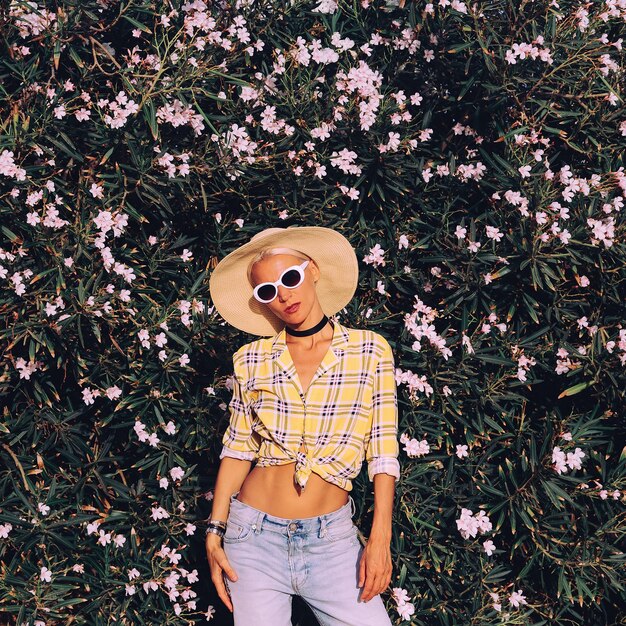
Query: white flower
{"x": 376, "y": 256}
{"x": 326, "y": 6}
{"x": 104, "y": 538}
{"x": 177, "y": 473}
{"x": 5, "y": 529}
{"x": 489, "y": 547}
{"x": 159, "y": 513}
{"x": 516, "y": 598}
{"x": 44, "y": 509}
{"x": 496, "y": 601}
{"x": 170, "y": 428}
{"x": 406, "y": 610}
{"x": 574, "y": 458}
{"x": 493, "y": 233}
{"x": 469, "y": 524}
{"x": 415, "y": 448}
{"x": 112, "y": 393}
{"x": 401, "y": 596}
{"x": 45, "y": 574}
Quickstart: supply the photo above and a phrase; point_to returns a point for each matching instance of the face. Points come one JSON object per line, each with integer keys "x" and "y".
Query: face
{"x": 269, "y": 269}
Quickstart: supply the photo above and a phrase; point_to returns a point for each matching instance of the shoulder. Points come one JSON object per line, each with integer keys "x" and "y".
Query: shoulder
{"x": 250, "y": 351}
{"x": 369, "y": 340}
{"x": 248, "y": 357}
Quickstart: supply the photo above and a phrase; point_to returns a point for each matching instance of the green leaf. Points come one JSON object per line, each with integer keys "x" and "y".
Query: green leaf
{"x": 149, "y": 114}
{"x": 137, "y": 24}
{"x": 572, "y": 391}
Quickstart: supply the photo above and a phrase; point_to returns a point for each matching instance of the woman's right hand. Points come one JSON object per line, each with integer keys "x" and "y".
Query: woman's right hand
{"x": 218, "y": 562}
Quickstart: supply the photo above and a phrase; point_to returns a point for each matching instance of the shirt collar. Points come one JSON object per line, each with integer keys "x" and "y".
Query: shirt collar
{"x": 340, "y": 338}
{"x": 281, "y": 357}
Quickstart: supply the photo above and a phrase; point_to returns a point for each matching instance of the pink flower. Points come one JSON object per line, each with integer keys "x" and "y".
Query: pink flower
{"x": 82, "y": 114}
{"x": 516, "y": 598}
{"x": 45, "y": 574}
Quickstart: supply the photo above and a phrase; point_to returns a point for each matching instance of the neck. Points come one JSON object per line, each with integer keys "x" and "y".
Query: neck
{"x": 311, "y": 330}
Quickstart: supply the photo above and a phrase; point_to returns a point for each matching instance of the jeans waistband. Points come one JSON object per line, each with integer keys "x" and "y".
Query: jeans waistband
{"x": 288, "y": 526}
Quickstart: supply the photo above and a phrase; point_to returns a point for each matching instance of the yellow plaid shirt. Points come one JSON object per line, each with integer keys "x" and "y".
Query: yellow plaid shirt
{"x": 349, "y": 411}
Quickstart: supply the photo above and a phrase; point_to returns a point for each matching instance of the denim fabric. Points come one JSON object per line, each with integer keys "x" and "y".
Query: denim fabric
{"x": 316, "y": 558}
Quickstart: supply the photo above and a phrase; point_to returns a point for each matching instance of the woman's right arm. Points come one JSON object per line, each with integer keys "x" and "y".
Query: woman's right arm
{"x": 230, "y": 476}
{"x": 240, "y": 448}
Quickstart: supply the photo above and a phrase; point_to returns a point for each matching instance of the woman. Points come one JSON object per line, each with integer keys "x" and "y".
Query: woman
{"x": 309, "y": 403}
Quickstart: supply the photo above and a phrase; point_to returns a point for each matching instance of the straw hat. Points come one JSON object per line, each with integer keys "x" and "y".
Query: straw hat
{"x": 231, "y": 291}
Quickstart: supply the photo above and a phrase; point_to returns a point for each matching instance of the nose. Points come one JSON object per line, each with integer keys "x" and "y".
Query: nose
{"x": 283, "y": 293}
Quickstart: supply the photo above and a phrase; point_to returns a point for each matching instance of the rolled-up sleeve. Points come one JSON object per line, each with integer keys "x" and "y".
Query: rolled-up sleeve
{"x": 240, "y": 441}
{"x": 382, "y": 450}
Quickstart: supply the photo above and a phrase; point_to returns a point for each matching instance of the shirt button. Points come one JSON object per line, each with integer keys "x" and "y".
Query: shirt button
{"x": 293, "y": 526}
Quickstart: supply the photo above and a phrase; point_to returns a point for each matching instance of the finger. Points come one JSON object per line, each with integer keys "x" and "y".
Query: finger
{"x": 222, "y": 561}
{"x": 381, "y": 586}
{"x": 371, "y": 585}
{"x": 224, "y": 597}
{"x": 220, "y": 587}
{"x": 362, "y": 571}
{"x": 367, "y": 588}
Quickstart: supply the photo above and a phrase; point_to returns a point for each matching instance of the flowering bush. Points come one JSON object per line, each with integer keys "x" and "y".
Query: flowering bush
{"x": 472, "y": 153}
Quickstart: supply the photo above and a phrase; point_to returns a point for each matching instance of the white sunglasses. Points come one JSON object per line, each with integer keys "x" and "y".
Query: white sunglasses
{"x": 290, "y": 278}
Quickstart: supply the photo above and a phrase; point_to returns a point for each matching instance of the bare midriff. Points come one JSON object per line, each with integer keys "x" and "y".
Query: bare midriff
{"x": 272, "y": 489}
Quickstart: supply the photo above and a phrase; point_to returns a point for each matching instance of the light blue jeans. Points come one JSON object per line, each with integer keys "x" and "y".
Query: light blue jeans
{"x": 316, "y": 558}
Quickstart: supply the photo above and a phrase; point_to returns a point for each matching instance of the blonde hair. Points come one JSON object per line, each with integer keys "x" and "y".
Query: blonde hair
{"x": 271, "y": 252}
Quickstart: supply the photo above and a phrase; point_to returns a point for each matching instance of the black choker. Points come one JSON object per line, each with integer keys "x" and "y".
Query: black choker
{"x": 308, "y": 331}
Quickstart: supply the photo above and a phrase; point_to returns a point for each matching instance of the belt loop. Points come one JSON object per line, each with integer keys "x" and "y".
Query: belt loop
{"x": 230, "y": 503}
{"x": 259, "y": 522}
{"x": 352, "y": 506}
{"x": 322, "y": 530}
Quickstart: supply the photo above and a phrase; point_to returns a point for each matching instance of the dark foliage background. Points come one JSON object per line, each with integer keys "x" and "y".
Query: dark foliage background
{"x": 142, "y": 141}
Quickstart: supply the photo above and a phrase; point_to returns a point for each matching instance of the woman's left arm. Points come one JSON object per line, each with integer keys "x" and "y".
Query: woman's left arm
{"x": 382, "y": 452}
{"x": 376, "y": 567}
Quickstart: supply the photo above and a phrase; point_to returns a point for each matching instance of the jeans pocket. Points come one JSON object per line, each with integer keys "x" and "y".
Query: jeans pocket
{"x": 341, "y": 528}
{"x": 237, "y": 530}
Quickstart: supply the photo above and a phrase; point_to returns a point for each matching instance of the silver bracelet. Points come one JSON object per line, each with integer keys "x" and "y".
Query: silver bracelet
{"x": 217, "y": 522}
{"x": 213, "y": 529}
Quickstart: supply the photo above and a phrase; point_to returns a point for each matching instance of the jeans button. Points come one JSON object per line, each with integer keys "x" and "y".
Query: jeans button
{"x": 293, "y": 526}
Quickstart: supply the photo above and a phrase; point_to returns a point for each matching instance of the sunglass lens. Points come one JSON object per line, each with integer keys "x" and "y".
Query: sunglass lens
{"x": 267, "y": 292}
{"x": 291, "y": 278}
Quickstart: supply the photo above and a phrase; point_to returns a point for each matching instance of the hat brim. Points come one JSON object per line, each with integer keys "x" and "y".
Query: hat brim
{"x": 232, "y": 293}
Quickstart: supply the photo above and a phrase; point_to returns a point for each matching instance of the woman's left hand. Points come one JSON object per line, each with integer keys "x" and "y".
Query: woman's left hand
{"x": 375, "y": 568}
